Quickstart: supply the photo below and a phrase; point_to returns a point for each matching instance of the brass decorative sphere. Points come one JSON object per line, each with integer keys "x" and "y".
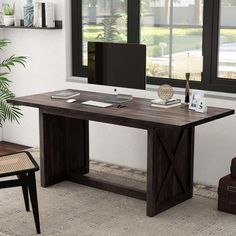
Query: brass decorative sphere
{"x": 165, "y": 92}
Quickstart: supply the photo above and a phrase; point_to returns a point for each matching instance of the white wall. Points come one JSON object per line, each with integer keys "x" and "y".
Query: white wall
{"x": 47, "y": 69}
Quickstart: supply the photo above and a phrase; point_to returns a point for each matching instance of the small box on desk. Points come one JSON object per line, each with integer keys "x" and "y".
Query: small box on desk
{"x": 227, "y": 194}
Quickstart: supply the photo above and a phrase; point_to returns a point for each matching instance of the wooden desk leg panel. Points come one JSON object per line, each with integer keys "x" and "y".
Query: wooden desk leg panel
{"x": 64, "y": 147}
{"x": 170, "y": 168}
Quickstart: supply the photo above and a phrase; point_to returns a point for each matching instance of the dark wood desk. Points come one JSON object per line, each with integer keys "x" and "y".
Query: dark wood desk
{"x": 64, "y": 144}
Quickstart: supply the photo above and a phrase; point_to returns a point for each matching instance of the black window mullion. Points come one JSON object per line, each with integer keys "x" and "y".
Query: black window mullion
{"x": 215, "y": 40}
{"x": 218, "y": 84}
{"x": 207, "y": 42}
{"x": 171, "y": 29}
{"x": 133, "y": 12}
{"x": 76, "y": 9}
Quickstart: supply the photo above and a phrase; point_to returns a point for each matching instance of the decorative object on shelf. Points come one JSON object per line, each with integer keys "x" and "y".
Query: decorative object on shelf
{"x": 44, "y": 14}
{"x": 28, "y": 14}
{"x": 40, "y": 14}
{"x": 36, "y": 14}
{"x": 165, "y": 92}
{"x": 8, "y": 14}
{"x": 7, "y": 111}
{"x": 17, "y": 22}
{"x": 50, "y": 14}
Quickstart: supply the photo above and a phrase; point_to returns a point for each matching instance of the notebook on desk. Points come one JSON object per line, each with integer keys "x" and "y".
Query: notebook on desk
{"x": 65, "y": 94}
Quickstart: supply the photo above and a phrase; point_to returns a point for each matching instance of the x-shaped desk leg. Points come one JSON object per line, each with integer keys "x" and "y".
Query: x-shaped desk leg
{"x": 170, "y": 168}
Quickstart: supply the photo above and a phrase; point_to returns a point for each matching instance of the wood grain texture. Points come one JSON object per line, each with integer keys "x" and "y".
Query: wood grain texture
{"x": 170, "y": 168}
{"x": 8, "y": 148}
{"x": 63, "y": 147}
{"x": 138, "y": 112}
{"x": 107, "y": 186}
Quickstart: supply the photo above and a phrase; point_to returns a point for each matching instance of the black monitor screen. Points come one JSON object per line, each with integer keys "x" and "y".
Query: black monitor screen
{"x": 116, "y": 64}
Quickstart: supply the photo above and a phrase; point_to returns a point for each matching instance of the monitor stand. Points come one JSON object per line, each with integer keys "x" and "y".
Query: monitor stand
{"x": 120, "y": 98}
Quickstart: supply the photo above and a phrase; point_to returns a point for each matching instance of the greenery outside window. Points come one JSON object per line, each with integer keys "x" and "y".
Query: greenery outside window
{"x": 164, "y": 27}
{"x": 104, "y": 21}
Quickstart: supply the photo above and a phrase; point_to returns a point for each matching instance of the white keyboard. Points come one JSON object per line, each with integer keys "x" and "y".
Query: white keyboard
{"x": 97, "y": 104}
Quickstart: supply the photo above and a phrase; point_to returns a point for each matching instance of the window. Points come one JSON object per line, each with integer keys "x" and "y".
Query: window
{"x": 104, "y": 21}
{"x": 227, "y": 38}
{"x": 164, "y": 26}
{"x": 196, "y": 36}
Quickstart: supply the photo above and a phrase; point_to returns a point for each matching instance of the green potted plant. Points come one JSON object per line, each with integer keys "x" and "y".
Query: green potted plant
{"x": 8, "y": 14}
{"x": 8, "y": 111}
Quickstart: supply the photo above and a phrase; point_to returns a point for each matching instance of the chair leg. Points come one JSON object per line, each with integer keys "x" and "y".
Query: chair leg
{"x": 34, "y": 200}
{"x": 26, "y": 196}
{"x": 25, "y": 191}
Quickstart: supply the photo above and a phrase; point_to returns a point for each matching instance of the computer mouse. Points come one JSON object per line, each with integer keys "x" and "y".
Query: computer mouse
{"x": 71, "y": 100}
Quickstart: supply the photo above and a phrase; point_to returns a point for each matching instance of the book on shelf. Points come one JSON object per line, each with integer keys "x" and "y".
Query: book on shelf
{"x": 65, "y": 94}
{"x": 165, "y": 104}
{"x": 44, "y": 14}
{"x": 50, "y": 14}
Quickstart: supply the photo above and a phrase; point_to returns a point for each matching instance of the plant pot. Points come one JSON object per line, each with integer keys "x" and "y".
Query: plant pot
{"x": 8, "y": 20}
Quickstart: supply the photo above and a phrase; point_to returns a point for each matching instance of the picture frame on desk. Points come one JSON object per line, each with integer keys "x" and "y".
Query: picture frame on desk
{"x": 201, "y": 105}
{"x": 195, "y": 96}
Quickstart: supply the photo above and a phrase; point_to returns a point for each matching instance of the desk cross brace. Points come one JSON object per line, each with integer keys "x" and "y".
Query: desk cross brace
{"x": 173, "y": 167}
{"x": 169, "y": 168}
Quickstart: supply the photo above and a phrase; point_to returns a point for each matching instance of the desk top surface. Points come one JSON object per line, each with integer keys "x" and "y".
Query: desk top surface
{"x": 138, "y": 112}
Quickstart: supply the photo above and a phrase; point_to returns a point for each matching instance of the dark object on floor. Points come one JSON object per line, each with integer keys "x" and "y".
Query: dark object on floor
{"x": 24, "y": 167}
{"x": 227, "y": 194}
{"x": 233, "y": 168}
{"x": 8, "y": 148}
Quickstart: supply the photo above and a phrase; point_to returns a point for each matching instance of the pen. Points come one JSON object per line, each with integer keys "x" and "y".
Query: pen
{"x": 121, "y": 106}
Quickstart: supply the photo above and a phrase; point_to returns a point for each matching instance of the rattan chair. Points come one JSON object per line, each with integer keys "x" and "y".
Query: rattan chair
{"x": 24, "y": 167}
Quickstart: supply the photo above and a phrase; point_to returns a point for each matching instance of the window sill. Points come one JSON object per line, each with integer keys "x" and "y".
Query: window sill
{"x": 179, "y": 91}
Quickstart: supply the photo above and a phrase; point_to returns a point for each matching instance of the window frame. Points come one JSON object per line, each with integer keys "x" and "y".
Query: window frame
{"x": 133, "y": 33}
{"x": 210, "y": 46}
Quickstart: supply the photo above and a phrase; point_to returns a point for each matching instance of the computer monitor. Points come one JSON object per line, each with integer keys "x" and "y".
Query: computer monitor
{"x": 117, "y": 64}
